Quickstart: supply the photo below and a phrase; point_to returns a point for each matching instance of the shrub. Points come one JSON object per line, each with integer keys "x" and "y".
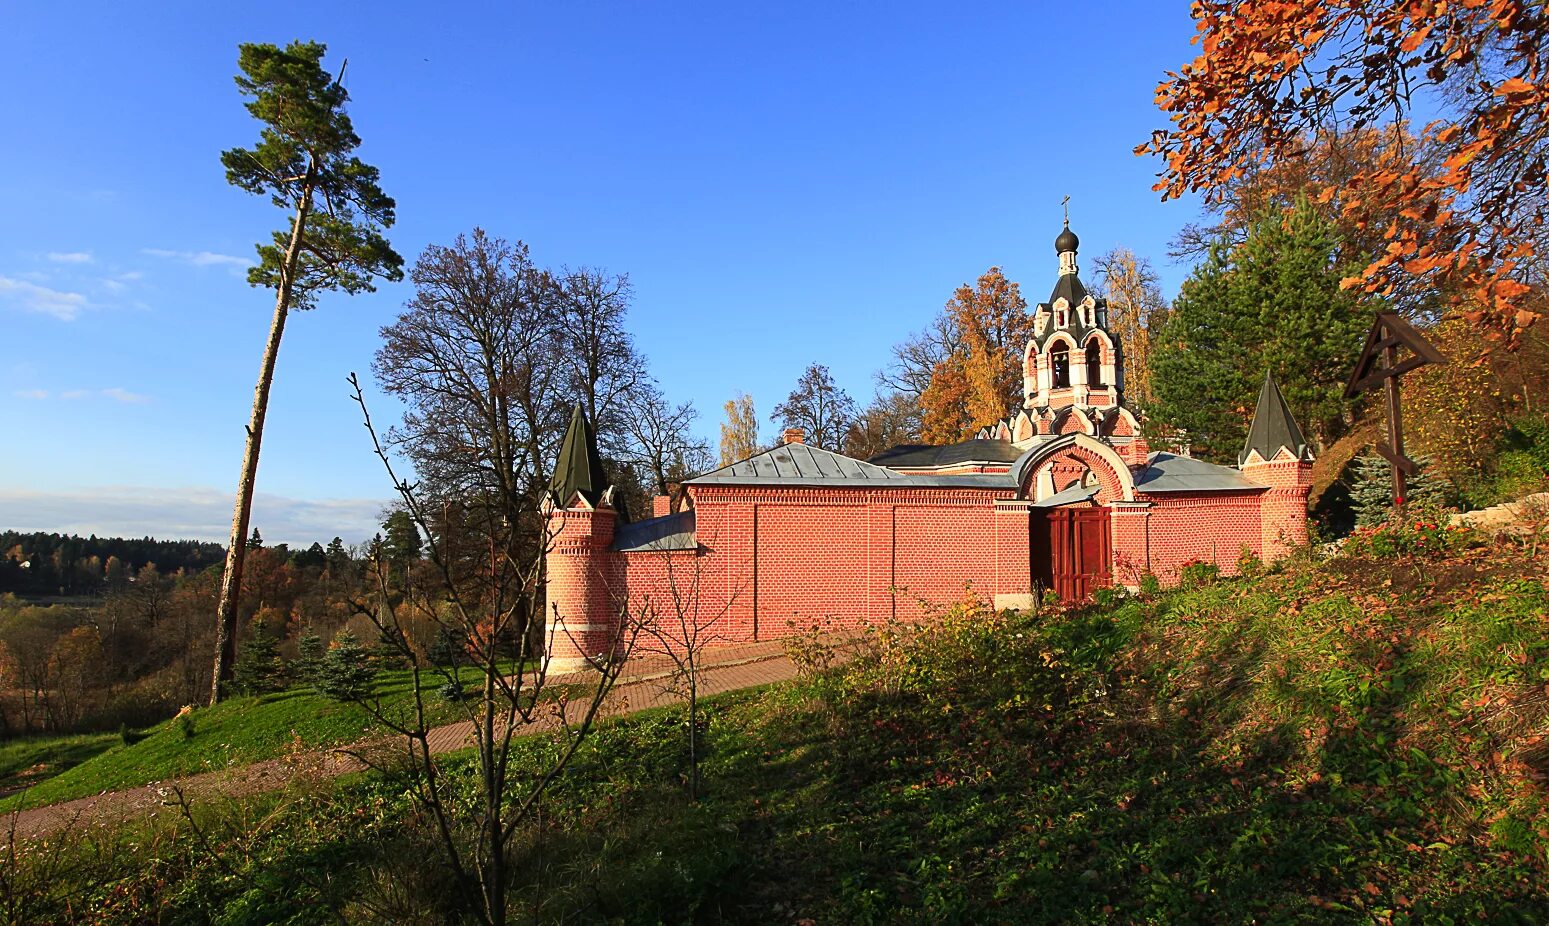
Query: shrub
{"x": 1412, "y": 531}
{"x": 345, "y": 673}
{"x": 1249, "y": 565}
{"x": 1109, "y": 595}
{"x": 1198, "y": 574}
{"x": 185, "y": 721}
{"x": 1150, "y": 585}
{"x": 452, "y": 692}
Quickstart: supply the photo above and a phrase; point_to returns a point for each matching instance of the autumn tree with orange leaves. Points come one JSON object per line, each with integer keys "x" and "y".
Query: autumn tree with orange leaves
{"x": 1272, "y": 73}
{"x": 980, "y": 381}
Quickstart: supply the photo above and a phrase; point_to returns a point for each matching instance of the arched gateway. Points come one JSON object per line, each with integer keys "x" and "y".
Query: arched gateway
{"x": 1063, "y": 494}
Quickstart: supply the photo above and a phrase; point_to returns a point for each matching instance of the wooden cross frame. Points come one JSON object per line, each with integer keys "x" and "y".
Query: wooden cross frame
{"x": 1389, "y": 333}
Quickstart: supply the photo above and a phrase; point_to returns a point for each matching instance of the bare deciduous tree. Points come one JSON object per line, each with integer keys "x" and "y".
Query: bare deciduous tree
{"x": 661, "y": 443}
{"x": 819, "y": 407}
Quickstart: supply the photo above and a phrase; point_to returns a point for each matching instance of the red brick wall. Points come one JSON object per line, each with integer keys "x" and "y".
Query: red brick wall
{"x": 771, "y": 557}
{"x": 943, "y": 551}
{"x": 1212, "y": 527}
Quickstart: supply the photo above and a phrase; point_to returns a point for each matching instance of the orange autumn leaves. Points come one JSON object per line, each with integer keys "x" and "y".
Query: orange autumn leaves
{"x": 980, "y": 381}
{"x": 1469, "y": 225}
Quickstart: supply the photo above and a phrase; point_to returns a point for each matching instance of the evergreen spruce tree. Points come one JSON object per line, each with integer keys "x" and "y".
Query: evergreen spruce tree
{"x": 1372, "y": 494}
{"x": 447, "y": 649}
{"x": 259, "y": 669}
{"x": 1430, "y": 487}
{"x": 310, "y": 662}
{"x": 388, "y": 651}
{"x": 346, "y": 673}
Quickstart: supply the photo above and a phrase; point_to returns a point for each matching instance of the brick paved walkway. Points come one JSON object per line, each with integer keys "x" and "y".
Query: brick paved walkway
{"x": 643, "y": 684}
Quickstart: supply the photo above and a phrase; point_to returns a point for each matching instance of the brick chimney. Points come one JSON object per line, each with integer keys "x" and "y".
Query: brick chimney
{"x": 795, "y": 436}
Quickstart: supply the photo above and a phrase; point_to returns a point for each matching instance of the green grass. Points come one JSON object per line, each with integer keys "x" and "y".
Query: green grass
{"x": 1354, "y": 742}
{"x": 30, "y": 759}
{"x": 235, "y": 732}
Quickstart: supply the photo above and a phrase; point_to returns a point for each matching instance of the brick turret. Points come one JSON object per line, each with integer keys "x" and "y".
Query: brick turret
{"x": 1276, "y": 455}
{"x": 584, "y": 578}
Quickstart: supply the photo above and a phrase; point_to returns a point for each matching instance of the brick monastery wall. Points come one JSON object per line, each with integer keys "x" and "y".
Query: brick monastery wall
{"x": 777, "y": 559}
{"x": 1211, "y": 527}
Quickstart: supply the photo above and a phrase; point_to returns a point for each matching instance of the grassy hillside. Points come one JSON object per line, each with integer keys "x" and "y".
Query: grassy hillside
{"x": 1355, "y": 741}
{"x": 235, "y": 732}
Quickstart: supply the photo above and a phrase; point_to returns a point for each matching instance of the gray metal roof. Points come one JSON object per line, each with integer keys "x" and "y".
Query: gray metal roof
{"x": 1166, "y": 472}
{"x": 669, "y": 532}
{"x": 911, "y": 456}
{"x": 803, "y": 465}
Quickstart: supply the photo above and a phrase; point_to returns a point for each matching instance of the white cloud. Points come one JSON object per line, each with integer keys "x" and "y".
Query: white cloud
{"x": 202, "y": 258}
{"x": 116, "y": 393}
{"x": 69, "y": 257}
{"x": 119, "y": 394}
{"x": 119, "y": 282}
{"x": 30, "y": 297}
{"x": 195, "y": 513}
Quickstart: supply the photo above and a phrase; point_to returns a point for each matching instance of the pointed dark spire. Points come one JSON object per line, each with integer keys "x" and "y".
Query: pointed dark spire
{"x": 580, "y": 465}
{"x": 1273, "y": 428}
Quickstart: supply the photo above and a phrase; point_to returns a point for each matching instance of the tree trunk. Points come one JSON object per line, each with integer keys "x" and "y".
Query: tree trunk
{"x": 236, "y": 550}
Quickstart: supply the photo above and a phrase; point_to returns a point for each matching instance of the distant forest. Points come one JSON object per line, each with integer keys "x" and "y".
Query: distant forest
{"x": 64, "y": 564}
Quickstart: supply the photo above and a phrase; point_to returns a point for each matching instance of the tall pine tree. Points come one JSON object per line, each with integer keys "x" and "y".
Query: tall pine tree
{"x": 1274, "y": 303}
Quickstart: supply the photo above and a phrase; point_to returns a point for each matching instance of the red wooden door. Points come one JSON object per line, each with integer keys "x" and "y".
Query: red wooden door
{"x": 1071, "y": 553}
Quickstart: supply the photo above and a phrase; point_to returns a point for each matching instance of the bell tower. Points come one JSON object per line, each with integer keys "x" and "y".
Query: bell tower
{"x": 1073, "y": 359}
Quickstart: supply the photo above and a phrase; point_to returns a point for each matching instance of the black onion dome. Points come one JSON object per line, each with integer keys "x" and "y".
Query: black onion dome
{"x": 1067, "y": 241}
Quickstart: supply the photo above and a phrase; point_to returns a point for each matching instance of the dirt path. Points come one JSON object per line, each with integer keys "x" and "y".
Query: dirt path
{"x": 642, "y": 685}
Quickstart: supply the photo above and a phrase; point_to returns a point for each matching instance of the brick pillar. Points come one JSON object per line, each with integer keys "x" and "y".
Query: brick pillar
{"x": 1130, "y": 538}
{"x": 1282, "y": 509}
{"x": 584, "y": 590}
{"x": 881, "y": 603}
{"x": 661, "y": 506}
{"x": 1013, "y": 563}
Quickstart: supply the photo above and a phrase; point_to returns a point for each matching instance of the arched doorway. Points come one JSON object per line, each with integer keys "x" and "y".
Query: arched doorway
{"x": 1070, "y": 480}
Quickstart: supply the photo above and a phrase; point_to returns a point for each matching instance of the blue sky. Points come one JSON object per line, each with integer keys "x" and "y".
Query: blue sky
{"x": 783, "y": 184}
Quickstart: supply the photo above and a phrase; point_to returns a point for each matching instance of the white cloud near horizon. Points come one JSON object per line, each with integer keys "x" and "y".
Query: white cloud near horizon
{"x": 116, "y": 393}
{"x": 31, "y": 297}
{"x": 69, "y": 257}
{"x": 197, "y": 513}
{"x": 201, "y": 258}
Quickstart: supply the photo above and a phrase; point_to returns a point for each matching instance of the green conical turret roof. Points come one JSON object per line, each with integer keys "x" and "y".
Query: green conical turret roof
{"x": 579, "y": 470}
{"x": 1273, "y": 427}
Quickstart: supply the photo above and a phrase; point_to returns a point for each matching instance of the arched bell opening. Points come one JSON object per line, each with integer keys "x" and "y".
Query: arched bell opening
{"x": 1059, "y": 360}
